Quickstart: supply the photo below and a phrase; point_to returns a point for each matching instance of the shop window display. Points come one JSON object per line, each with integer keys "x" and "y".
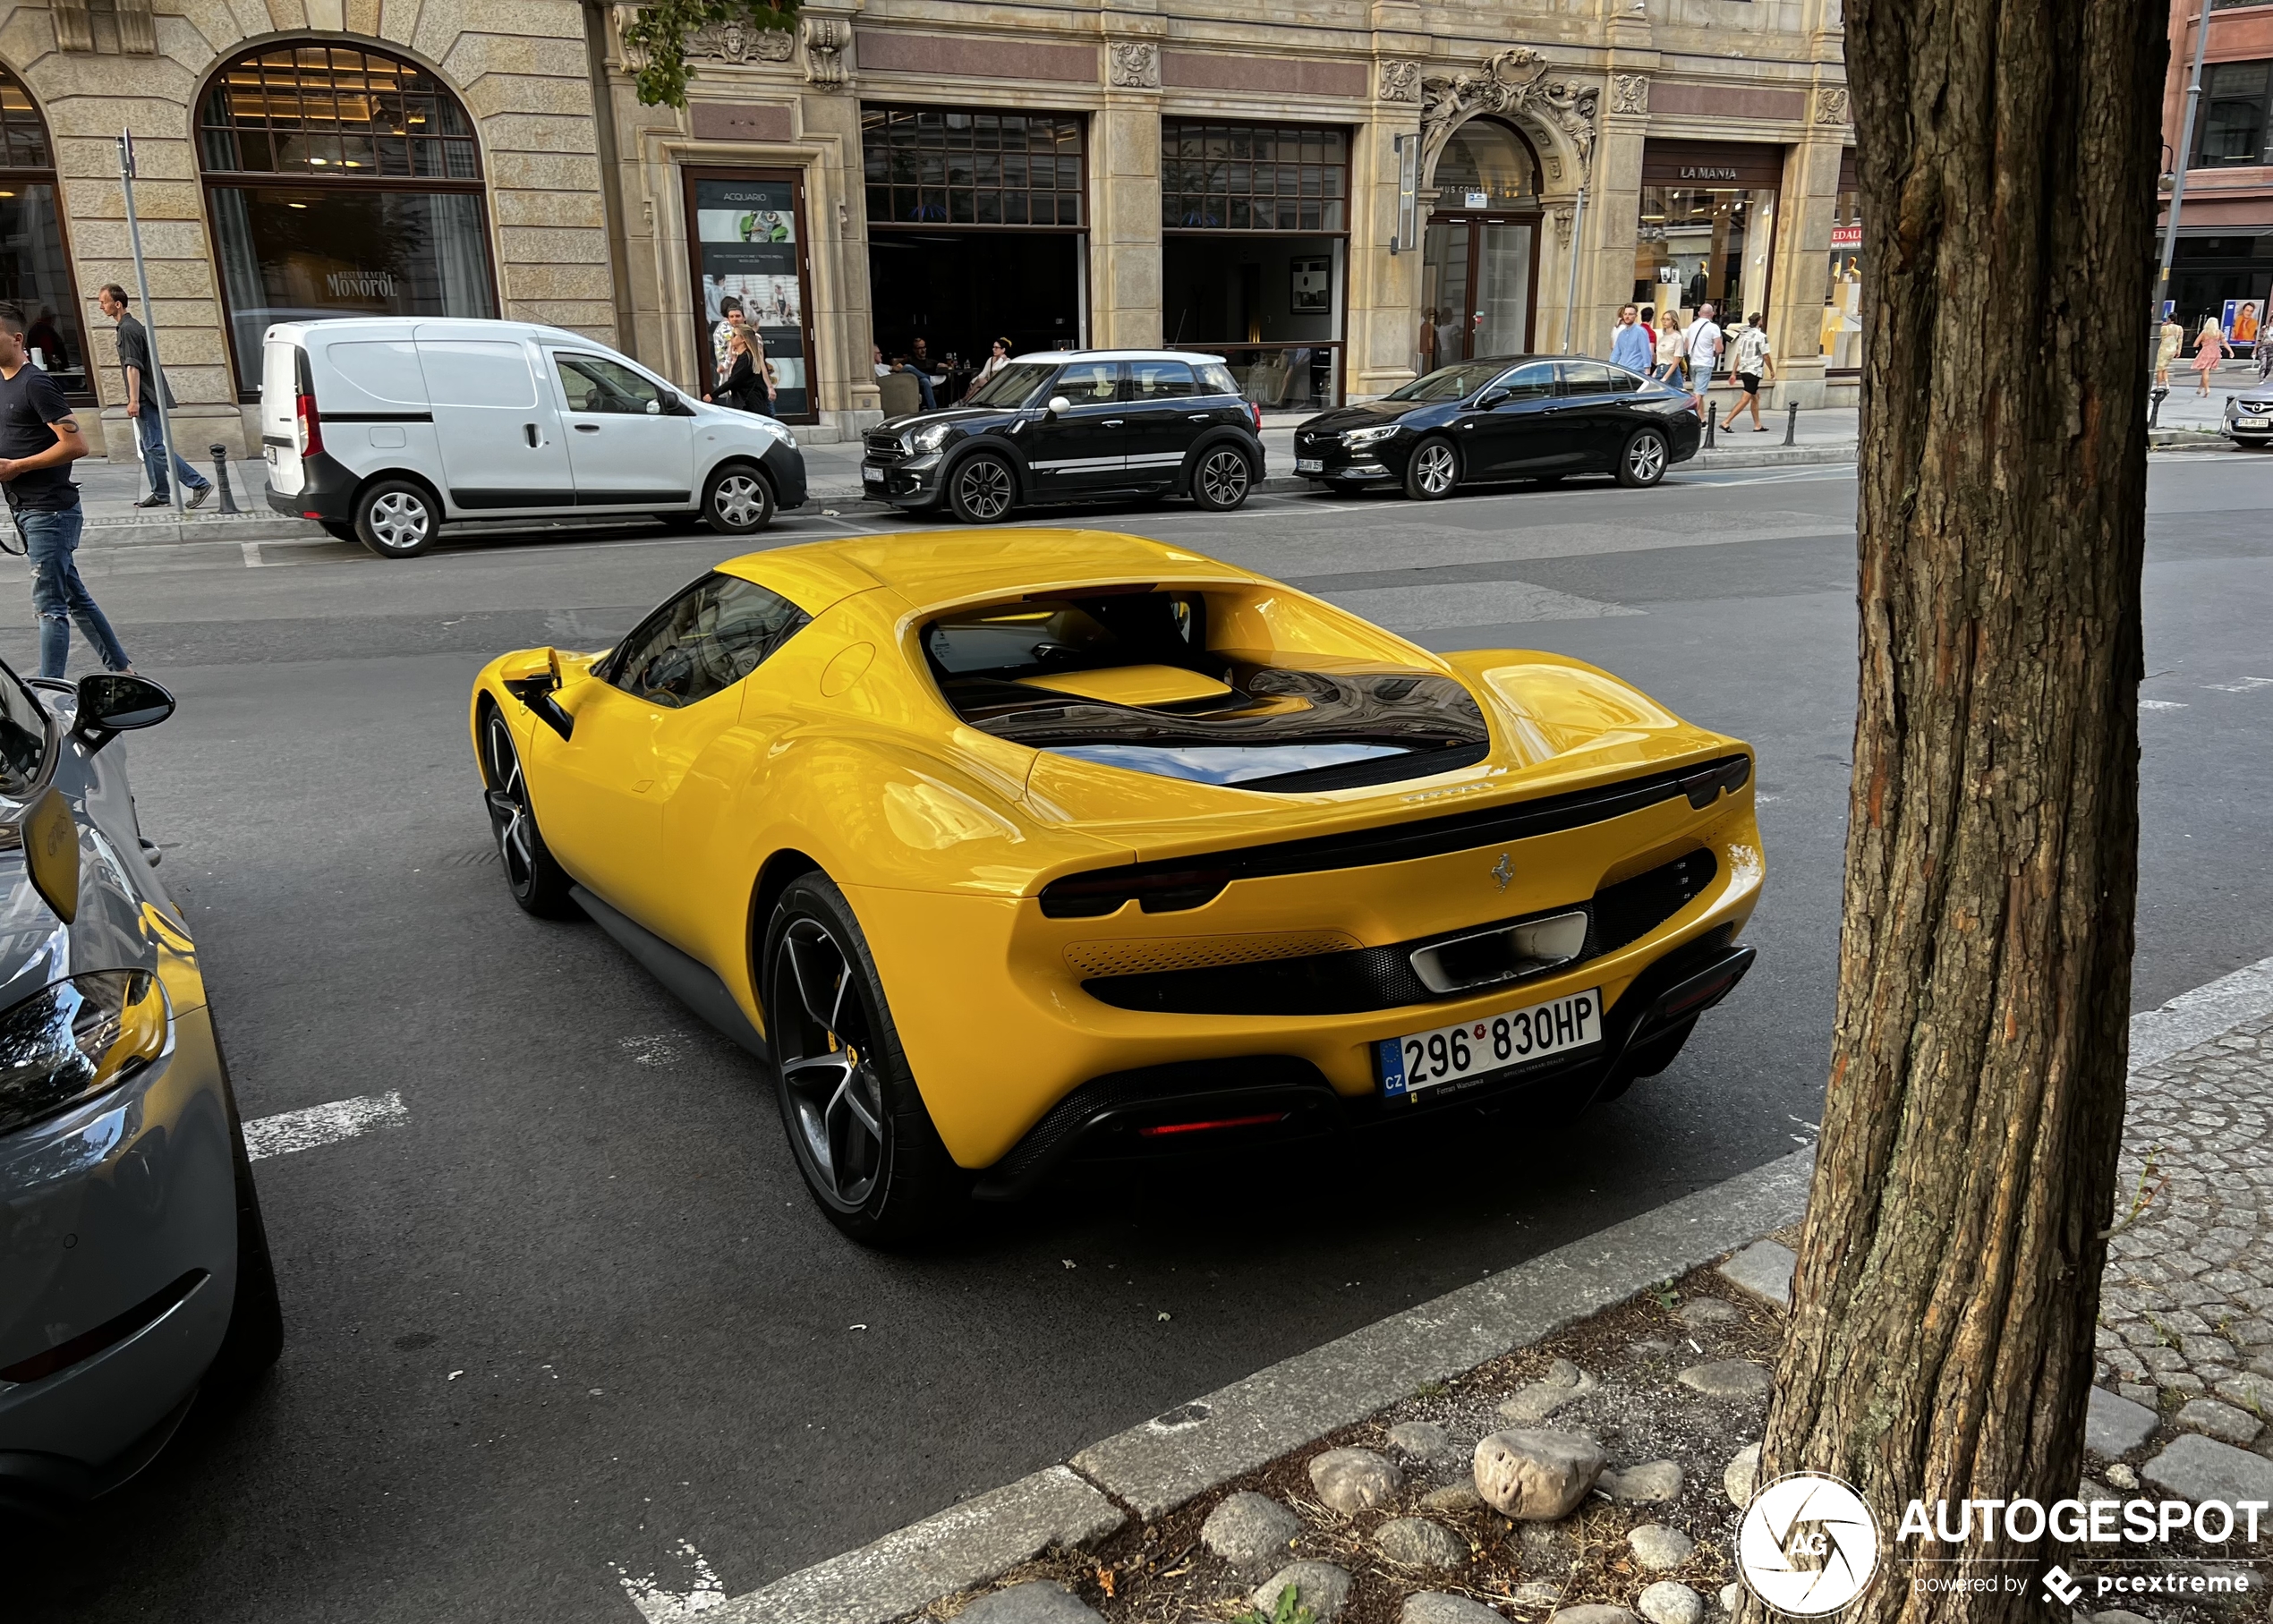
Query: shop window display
{"x": 1842, "y": 335}
{"x": 745, "y": 244}
{"x": 35, "y": 272}
{"x": 1700, "y": 244}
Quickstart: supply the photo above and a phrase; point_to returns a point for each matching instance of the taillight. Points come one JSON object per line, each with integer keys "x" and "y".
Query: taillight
{"x": 308, "y": 428}
{"x": 1096, "y": 895}
{"x": 1254, "y": 414}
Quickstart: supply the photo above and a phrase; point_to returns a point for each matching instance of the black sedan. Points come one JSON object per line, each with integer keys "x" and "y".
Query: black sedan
{"x": 1058, "y": 426}
{"x": 1505, "y": 417}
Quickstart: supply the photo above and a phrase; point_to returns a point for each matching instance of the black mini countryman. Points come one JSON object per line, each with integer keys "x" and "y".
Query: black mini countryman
{"x": 1505, "y": 417}
{"x": 1073, "y": 427}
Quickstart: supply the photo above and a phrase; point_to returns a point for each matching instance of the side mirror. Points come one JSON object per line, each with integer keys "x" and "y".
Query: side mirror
{"x": 1491, "y": 398}
{"x": 532, "y": 676}
{"x": 1058, "y": 403}
{"x": 110, "y": 704}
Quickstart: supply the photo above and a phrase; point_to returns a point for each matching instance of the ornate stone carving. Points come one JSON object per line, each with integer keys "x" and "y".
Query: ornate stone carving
{"x": 826, "y": 39}
{"x": 1629, "y": 93}
{"x": 736, "y": 42}
{"x": 1400, "y": 81}
{"x": 1133, "y": 64}
{"x": 1561, "y": 213}
{"x": 1831, "y": 105}
{"x": 1513, "y": 82}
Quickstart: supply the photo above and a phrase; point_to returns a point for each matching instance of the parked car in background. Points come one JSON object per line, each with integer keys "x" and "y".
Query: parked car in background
{"x": 134, "y": 1268}
{"x": 1503, "y": 417}
{"x": 1061, "y": 426}
{"x": 2249, "y": 417}
{"x": 384, "y": 430}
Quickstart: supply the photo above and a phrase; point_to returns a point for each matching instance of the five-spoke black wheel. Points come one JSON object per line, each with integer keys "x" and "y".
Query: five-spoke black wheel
{"x": 856, "y": 1120}
{"x": 536, "y": 882}
{"x": 1223, "y": 480}
{"x": 981, "y": 490}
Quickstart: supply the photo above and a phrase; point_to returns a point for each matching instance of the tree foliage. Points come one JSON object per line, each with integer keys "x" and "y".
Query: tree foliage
{"x": 660, "y": 29}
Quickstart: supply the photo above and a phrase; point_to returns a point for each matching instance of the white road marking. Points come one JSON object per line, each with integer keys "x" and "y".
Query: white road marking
{"x": 658, "y": 1605}
{"x": 2246, "y": 685}
{"x": 2162, "y": 704}
{"x": 252, "y": 560}
{"x": 318, "y": 1125}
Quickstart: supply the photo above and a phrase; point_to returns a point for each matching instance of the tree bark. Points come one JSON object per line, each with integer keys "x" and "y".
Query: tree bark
{"x": 1948, "y": 1285}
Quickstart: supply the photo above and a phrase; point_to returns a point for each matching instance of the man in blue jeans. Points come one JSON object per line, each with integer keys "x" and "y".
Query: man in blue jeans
{"x": 39, "y": 440}
{"x": 142, "y": 405}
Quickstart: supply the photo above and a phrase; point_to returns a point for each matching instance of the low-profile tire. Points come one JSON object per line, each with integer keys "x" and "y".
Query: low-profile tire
{"x": 1642, "y": 464}
{"x": 849, "y": 1104}
{"x": 737, "y": 501}
{"x": 982, "y": 490}
{"x": 537, "y": 882}
{"x": 397, "y": 518}
{"x": 1222, "y": 479}
{"x": 254, "y": 1339}
{"x": 1433, "y": 473}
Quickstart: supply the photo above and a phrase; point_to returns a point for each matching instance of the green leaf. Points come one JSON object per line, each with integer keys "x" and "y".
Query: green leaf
{"x": 661, "y": 29}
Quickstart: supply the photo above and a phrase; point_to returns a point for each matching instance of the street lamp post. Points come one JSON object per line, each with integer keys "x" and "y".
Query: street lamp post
{"x": 2185, "y": 156}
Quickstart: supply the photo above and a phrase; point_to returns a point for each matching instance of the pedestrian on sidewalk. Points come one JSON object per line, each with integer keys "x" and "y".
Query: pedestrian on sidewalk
{"x": 1630, "y": 347}
{"x": 39, "y": 440}
{"x": 142, "y": 405}
{"x": 2209, "y": 349}
{"x": 1672, "y": 349}
{"x": 1754, "y": 359}
{"x": 721, "y": 350}
{"x": 2168, "y": 343}
{"x": 1704, "y": 356}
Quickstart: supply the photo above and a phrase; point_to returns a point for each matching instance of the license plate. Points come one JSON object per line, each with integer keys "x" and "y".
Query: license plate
{"x": 872, "y": 476}
{"x": 1489, "y": 1043}
{"x": 1310, "y": 464}
{"x": 2253, "y": 422}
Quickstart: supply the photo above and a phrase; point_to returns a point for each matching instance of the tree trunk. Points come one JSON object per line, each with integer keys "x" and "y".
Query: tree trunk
{"x": 1941, "y": 1344}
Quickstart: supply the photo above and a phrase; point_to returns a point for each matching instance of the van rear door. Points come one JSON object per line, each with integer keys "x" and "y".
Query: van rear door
{"x": 499, "y": 434}
{"x": 279, "y": 396}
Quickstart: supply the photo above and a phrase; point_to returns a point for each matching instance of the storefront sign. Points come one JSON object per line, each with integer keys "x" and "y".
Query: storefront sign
{"x": 1709, "y": 164}
{"x": 1846, "y": 236}
{"x": 1478, "y": 200}
{"x": 1708, "y": 171}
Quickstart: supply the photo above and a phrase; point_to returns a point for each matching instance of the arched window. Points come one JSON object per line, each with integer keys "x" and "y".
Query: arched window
{"x": 1485, "y": 158}
{"x": 35, "y": 272}
{"x": 341, "y": 182}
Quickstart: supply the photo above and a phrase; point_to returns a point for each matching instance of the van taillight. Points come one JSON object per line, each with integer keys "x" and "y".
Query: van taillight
{"x": 308, "y": 428}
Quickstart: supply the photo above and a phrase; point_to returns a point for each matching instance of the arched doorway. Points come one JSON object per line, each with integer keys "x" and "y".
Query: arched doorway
{"x": 340, "y": 180}
{"x": 1480, "y": 252}
{"x": 35, "y": 268}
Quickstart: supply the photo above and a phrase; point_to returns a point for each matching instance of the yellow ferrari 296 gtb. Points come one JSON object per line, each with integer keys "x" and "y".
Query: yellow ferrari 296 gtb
{"x": 1002, "y": 848}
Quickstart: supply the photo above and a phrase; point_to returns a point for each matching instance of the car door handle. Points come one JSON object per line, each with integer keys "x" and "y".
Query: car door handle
{"x": 1201, "y": 417}
{"x": 1110, "y": 422}
{"x": 530, "y": 429}
{"x": 588, "y": 428}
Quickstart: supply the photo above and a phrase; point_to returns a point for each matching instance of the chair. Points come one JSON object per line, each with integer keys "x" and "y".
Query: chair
{"x": 1267, "y": 384}
{"x": 902, "y": 397}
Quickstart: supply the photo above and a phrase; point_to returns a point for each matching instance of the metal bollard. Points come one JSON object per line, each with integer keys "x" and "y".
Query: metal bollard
{"x": 1712, "y": 421}
{"x": 2154, "y": 411}
{"x": 221, "y": 479}
{"x": 1791, "y": 423}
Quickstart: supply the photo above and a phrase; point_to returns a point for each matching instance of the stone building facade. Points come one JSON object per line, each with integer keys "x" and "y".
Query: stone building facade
{"x": 1333, "y": 197}
{"x": 2224, "y": 253}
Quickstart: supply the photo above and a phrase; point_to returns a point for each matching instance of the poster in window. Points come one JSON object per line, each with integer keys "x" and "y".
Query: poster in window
{"x": 1313, "y": 288}
{"x": 2242, "y": 320}
{"x": 747, "y": 249}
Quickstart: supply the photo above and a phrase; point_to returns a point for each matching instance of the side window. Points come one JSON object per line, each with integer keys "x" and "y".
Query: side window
{"x": 704, "y": 641}
{"x": 1160, "y": 380}
{"x": 1216, "y": 379}
{"x": 1091, "y": 383}
{"x": 594, "y": 384}
{"x": 1593, "y": 377}
{"x": 23, "y": 734}
{"x": 1535, "y": 381}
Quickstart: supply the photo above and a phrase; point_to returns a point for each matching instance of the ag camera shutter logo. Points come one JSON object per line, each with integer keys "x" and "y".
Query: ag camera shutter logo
{"x": 1808, "y": 1545}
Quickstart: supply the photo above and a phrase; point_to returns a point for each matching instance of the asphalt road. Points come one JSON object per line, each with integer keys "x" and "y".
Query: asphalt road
{"x": 576, "y": 1318}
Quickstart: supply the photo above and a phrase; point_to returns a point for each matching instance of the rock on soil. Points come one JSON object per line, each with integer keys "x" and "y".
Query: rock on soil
{"x": 1321, "y": 1586}
{"x": 1564, "y": 1382}
{"x": 1353, "y": 1480}
{"x": 1435, "y": 1607}
{"x": 1537, "y": 1593}
{"x": 1594, "y": 1612}
{"x": 1765, "y": 1269}
{"x": 1453, "y": 1497}
{"x": 1249, "y": 1530}
{"x": 1422, "y": 1440}
{"x": 1660, "y": 1549}
{"x": 1667, "y": 1602}
{"x": 1731, "y": 1595}
{"x": 1742, "y": 1476}
{"x": 1652, "y": 1480}
{"x": 1726, "y": 1379}
{"x": 1037, "y": 1602}
{"x": 1699, "y": 1312}
{"x": 1415, "y": 1541}
{"x": 1537, "y": 1476}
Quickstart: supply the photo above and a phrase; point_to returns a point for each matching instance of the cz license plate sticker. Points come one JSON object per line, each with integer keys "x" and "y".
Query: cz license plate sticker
{"x": 1489, "y": 1043}
{"x": 1310, "y": 464}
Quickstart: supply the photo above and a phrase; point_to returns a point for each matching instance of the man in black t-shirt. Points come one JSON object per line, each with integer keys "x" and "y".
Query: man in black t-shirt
{"x": 144, "y": 383}
{"x": 39, "y": 440}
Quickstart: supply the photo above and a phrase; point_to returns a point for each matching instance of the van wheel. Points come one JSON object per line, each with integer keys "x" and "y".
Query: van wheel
{"x": 396, "y": 519}
{"x": 738, "y": 501}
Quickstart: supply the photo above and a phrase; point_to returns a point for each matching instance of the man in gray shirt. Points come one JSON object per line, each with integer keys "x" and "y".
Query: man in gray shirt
{"x": 141, "y": 403}
{"x": 1703, "y": 355}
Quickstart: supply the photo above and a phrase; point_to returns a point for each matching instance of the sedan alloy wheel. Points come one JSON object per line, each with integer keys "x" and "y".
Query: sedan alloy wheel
{"x": 1644, "y": 461}
{"x": 1434, "y": 472}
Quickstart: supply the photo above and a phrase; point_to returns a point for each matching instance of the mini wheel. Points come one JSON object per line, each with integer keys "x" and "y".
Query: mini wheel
{"x": 737, "y": 501}
{"x": 981, "y": 490}
{"x": 396, "y": 519}
{"x": 1643, "y": 461}
{"x": 856, "y": 1120}
{"x": 1434, "y": 472}
{"x": 1223, "y": 480}
{"x": 537, "y": 882}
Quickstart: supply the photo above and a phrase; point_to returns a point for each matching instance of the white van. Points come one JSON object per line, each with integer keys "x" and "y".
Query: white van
{"x": 383, "y": 429}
